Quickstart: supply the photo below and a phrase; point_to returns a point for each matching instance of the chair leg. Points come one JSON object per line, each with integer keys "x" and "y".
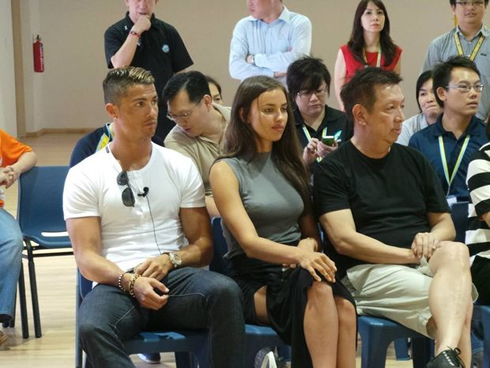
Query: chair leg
{"x": 23, "y": 304}
{"x": 401, "y": 349}
{"x": 78, "y": 348}
{"x": 374, "y": 347}
{"x": 184, "y": 359}
{"x": 422, "y": 350}
{"x": 32, "y": 280}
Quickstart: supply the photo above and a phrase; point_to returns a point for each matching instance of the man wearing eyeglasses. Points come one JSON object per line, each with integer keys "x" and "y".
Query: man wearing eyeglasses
{"x": 140, "y": 39}
{"x": 469, "y": 38}
{"x": 136, "y": 216}
{"x": 200, "y": 126}
{"x": 267, "y": 41}
{"x": 450, "y": 142}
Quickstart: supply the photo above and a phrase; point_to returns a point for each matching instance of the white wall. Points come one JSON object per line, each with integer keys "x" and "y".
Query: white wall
{"x": 69, "y": 95}
{"x": 8, "y": 116}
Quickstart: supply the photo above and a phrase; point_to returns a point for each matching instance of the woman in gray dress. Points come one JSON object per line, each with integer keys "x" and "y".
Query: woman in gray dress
{"x": 261, "y": 190}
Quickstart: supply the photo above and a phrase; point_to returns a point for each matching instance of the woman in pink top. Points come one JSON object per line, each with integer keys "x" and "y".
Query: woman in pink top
{"x": 370, "y": 44}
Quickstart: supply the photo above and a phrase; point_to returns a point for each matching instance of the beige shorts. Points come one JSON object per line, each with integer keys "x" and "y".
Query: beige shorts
{"x": 397, "y": 292}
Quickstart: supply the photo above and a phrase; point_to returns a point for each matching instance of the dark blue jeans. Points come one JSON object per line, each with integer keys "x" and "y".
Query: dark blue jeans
{"x": 198, "y": 299}
{"x": 10, "y": 263}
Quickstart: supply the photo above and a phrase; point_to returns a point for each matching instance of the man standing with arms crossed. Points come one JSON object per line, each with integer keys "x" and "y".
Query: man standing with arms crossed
{"x": 140, "y": 39}
{"x": 267, "y": 41}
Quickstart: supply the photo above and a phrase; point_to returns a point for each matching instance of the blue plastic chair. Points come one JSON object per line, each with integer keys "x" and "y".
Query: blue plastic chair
{"x": 182, "y": 343}
{"x": 40, "y": 216}
{"x": 378, "y": 333}
{"x": 459, "y": 214}
{"x": 482, "y": 313}
{"x": 257, "y": 337}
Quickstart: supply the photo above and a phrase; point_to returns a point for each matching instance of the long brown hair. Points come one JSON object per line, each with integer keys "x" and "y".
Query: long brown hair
{"x": 240, "y": 138}
{"x": 356, "y": 42}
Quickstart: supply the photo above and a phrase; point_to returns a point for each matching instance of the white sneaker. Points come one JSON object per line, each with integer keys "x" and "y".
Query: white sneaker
{"x": 153, "y": 358}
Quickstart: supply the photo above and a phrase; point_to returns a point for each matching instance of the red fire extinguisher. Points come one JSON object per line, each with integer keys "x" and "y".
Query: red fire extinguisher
{"x": 38, "y": 51}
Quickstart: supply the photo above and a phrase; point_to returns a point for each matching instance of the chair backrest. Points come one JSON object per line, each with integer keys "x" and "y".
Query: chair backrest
{"x": 219, "y": 263}
{"x": 40, "y": 201}
{"x": 459, "y": 214}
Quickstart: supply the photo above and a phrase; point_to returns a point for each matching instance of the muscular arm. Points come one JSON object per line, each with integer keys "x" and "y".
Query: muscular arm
{"x": 85, "y": 236}
{"x": 341, "y": 231}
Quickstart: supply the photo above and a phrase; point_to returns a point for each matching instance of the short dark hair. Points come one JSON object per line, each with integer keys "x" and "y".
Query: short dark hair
{"x": 424, "y": 77}
{"x": 307, "y": 74}
{"x": 361, "y": 88}
{"x": 441, "y": 74}
{"x": 453, "y": 2}
{"x": 117, "y": 82}
{"x": 194, "y": 83}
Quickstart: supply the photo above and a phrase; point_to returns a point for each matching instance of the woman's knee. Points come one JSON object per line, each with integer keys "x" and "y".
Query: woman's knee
{"x": 346, "y": 313}
{"x": 320, "y": 291}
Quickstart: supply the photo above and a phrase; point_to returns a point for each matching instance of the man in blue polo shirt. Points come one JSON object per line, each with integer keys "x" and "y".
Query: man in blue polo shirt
{"x": 450, "y": 142}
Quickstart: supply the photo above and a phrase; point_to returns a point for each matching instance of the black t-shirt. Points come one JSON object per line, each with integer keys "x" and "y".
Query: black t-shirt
{"x": 160, "y": 49}
{"x": 334, "y": 121}
{"x": 389, "y": 197}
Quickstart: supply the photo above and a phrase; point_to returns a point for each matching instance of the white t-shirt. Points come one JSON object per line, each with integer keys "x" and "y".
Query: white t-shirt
{"x": 131, "y": 234}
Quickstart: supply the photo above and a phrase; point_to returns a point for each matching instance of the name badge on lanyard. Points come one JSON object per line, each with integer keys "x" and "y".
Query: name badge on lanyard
{"x": 473, "y": 54}
{"x": 378, "y": 60}
{"x": 450, "y": 178}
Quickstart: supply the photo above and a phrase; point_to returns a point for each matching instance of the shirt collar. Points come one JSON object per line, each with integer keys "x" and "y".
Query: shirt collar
{"x": 483, "y": 30}
{"x": 472, "y": 127}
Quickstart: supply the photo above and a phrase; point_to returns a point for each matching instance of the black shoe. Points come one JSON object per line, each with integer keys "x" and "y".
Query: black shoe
{"x": 447, "y": 359}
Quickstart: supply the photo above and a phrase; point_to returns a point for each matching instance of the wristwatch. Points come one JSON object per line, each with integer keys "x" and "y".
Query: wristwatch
{"x": 175, "y": 259}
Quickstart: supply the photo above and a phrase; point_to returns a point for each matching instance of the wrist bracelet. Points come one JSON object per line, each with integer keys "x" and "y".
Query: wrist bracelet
{"x": 134, "y": 33}
{"x": 131, "y": 284}
{"x": 119, "y": 282}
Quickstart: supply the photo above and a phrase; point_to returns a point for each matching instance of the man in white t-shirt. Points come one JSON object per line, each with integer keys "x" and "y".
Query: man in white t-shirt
{"x": 136, "y": 216}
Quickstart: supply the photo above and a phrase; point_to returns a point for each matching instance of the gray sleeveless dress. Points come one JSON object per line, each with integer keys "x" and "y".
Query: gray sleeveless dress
{"x": 274, "y": 207}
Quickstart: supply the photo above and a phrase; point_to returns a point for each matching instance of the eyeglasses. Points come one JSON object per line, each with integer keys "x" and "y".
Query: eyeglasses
{"x": 465, "y": 88}
{"x": 185, "y": 115}
{"x": 319, "y": 93}
{"x": 127, "y": 194}
{"x": 468, "y": 3}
